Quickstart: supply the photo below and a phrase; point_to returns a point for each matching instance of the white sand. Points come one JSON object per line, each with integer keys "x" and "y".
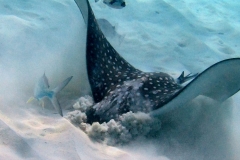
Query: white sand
{"x": 154, "y": 35}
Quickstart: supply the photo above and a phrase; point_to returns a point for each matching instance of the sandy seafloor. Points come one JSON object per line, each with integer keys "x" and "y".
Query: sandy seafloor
{"x": 153, "y": 35}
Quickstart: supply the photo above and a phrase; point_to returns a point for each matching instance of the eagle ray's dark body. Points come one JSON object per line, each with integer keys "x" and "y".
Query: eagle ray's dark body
{"x": 118, "y": 87}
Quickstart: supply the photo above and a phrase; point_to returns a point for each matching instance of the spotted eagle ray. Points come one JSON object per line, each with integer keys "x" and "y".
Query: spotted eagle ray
{"x": 118, "y": 87}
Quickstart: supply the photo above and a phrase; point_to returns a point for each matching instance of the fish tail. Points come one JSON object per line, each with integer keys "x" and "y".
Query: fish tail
{"x": 56, "y": 104}
{"x": 62, "y": 85}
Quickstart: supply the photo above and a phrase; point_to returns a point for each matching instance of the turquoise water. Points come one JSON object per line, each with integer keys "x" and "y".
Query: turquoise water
{"x": 153, "y": 35}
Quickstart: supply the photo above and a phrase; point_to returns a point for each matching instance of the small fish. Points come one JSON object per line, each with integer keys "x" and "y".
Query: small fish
{"x": 107, "y": 28}
{"x": 118, "y": 4}
{"x": 182, "y": 79}
{"x": 42, "y": 90}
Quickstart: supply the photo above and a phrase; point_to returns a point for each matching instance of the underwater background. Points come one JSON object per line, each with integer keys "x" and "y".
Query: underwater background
{"x": 170, "y": 36}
